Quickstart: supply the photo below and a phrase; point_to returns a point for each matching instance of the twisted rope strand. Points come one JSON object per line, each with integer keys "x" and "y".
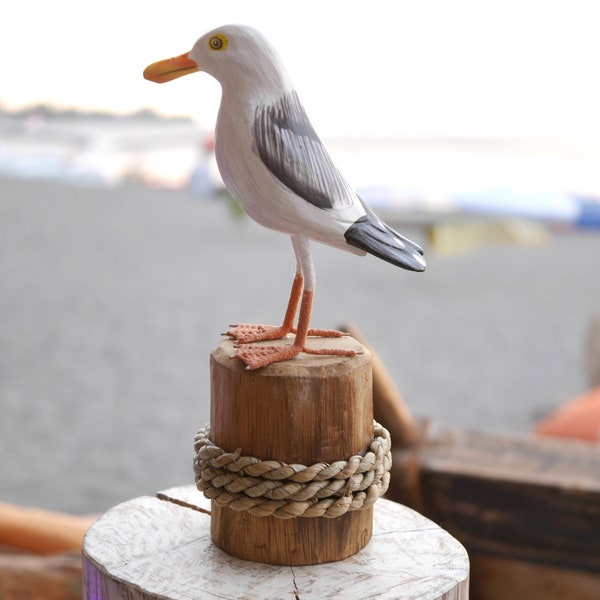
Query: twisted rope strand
{"x": 275, "y": 488}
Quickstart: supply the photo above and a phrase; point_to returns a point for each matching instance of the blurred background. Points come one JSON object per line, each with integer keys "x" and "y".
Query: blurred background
{"x": 471, "y": 127}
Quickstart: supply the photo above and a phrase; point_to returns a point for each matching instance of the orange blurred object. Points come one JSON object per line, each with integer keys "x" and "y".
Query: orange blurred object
{"x": 41, "y": 531}
{"x": 579, "y": 418}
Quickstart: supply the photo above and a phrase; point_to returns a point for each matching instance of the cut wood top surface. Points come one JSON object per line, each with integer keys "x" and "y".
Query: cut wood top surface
{"x": 303, "y": 365}
{"x": 162, "y": 546}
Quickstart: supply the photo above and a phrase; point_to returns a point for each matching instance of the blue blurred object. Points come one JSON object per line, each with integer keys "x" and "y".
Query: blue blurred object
{"x": 589, "y": 213}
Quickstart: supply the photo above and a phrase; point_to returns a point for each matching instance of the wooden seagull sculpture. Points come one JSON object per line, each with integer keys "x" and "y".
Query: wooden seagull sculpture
{"x": 276, "y": 167}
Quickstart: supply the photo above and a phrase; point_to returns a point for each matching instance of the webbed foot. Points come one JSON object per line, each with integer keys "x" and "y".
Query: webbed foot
{"x": 256, "y": 357}
{"x": 246, "y": 333}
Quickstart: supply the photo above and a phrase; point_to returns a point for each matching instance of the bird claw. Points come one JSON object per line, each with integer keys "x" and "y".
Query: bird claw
{"x": 245, "y": 333}
{"x": 331, "y": 351}
{"x": 256, "y": 357}
{"x": 326, "y": 333}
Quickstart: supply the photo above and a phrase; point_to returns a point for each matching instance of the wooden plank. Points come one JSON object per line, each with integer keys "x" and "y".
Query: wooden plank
{"x": 41, "y": 531}
{"x": 32, "y": 577}
{"x": 151, "y": 547}
{"x": 532, "y": 501}
{"x": 494, "y": 578}
{"x": 521, "y": 459}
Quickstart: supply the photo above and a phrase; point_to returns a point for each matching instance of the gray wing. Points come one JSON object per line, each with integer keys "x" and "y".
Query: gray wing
{"x": 292, "y": 151}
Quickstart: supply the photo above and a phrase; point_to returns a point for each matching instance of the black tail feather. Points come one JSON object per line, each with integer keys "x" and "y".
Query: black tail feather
{"x": 372, "y": 235}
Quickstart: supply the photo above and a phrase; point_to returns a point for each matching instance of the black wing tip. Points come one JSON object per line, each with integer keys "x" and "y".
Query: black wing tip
{"x": 374, "y": 237}
{"x": 411, "y": 262}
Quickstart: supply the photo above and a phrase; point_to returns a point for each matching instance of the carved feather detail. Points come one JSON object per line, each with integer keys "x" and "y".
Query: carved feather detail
{"x": 291, "y": 149}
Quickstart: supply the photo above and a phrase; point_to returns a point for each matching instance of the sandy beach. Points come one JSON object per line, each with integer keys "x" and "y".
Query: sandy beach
{"x": 111, "y": 301}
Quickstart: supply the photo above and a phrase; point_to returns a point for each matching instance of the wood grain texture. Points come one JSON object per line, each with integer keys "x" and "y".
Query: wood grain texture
{"x": 315, "y": 409}
{"x": 528, "y": 498}
{"x": 528, "y": 507}
{"x": 34, "y": 577}
{"x": 307, "y": 411}
{"x": 151, "y": 548}
{"x": 494, "y": 578}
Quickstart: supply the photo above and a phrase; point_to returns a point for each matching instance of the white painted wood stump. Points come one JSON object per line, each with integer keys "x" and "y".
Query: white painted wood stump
{"x": 150, "y": 548}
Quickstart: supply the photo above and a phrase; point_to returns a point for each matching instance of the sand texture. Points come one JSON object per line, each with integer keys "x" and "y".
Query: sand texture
{"x": 112, "y": 300}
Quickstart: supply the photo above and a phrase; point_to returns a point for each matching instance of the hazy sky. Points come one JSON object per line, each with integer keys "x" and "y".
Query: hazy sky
{"x": 369, "y": 67}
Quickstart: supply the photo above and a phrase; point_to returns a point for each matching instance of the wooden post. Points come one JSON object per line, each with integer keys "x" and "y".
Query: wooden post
{"x": 388, "y": 406}
{"x": 317, "y": 409}
{"x": 149, "y": 548}
{"x": 302, "y": 411}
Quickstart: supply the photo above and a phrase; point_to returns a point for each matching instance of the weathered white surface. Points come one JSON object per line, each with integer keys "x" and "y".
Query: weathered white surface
{"x": 157, "y": 548}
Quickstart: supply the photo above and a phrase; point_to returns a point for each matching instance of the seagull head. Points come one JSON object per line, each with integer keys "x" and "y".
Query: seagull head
{"x": 235, "y": 55}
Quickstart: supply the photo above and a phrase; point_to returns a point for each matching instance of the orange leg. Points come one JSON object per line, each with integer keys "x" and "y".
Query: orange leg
{"x": 304, "y": 282}
{"x": 245, "y": 333}
{"x": 256, "y": 357}
{"x": 303, "y": 331}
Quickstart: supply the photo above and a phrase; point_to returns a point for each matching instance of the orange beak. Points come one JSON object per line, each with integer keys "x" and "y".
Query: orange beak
{"x": 171, "y": 68}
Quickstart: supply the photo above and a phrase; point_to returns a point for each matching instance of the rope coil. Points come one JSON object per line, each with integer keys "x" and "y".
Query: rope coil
{"x": 275, "y": 488}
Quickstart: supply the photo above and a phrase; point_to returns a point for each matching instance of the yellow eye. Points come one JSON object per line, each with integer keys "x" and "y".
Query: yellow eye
{"x": 217, "y": 42}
